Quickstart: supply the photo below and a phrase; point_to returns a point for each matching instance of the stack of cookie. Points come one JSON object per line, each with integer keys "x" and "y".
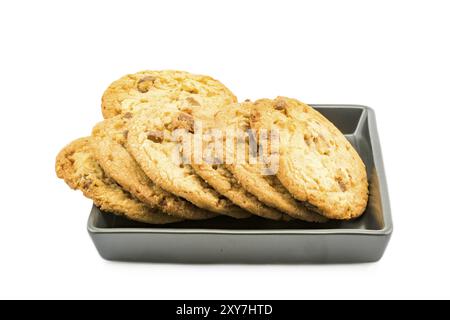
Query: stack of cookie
{"x": 134, "y": 163}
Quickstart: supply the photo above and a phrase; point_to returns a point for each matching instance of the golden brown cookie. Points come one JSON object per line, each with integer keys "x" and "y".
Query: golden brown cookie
{"x": 317, "y": 164}
{"x": 76, "y": 165}
{"x": 147, "y": 89}
{"x": 224, "y": 182}
{"x": 269, "y": 190}
{"x": 151, "y": 143}
{"x": 217, "y": 175}
{"x": 265, "y": 189}
{"x": 108, "y": 145}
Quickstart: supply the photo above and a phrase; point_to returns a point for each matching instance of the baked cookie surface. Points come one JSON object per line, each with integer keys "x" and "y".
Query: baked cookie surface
{"x": 76, "y": 165}
{"x": 108, "y": 146}
{"x": 150, "y": 141}
{"x": 265, "y": 189}
{"x": 269, "y": 190}
{"x": 147, "y": 89}
{"x": 317, "y": 164}
{"x": 226, "y": 184}
{"x": 217, "y": 175}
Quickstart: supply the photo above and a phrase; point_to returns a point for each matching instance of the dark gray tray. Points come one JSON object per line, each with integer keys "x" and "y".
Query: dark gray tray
{"x": 256, "y": 240}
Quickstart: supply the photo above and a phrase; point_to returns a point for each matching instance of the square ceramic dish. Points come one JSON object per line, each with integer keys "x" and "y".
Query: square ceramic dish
{"x": 256, "y": 240}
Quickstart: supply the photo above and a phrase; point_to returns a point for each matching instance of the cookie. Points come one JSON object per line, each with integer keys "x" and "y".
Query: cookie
{"x": 77, "y": 166}
{"x": 150, "y": 143}
{"x": 218, "y": 176}
{"x": 147, "y": 89}
{"x": 108, "y": 140}
{"x": 317, "y": 164}
{"x": 263, "y": 189}
{"x": 269, "y": 190}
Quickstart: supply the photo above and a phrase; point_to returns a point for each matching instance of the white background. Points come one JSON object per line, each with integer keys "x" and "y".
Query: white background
{"x": 57, "y": 58}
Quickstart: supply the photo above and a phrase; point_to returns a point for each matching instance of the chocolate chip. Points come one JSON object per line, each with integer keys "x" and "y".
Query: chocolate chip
{"x": 185, "y": 121}
{"x": 307, "y": 139}
{"x": 254, "y": 116}
{"x": 280, "y": 105}
{"x": 341, "y": 183}
{"x": 145, "y": 83}
{"x": 342, "y": 186}
{"x": 155, "y": 136}
{"x": 87, "y": 183}
{"x": 193, "y": 91}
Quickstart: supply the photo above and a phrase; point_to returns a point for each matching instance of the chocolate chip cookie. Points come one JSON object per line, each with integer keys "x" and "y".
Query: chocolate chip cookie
{"x": 152, "y": 143}
{"x": 217, "y": 175}
{"x": 108, "y": 145}
{"x": 77, "y": 166}
{"x": 251, "y": 177}
{"x": 148, "y": 89}
{"x": 317, "y": 164}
